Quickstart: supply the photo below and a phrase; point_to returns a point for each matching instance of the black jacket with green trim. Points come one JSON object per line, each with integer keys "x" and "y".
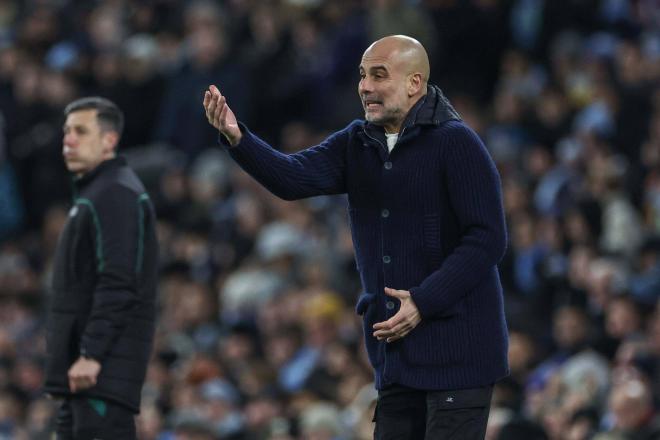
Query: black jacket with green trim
{"x": 103, "y": 294}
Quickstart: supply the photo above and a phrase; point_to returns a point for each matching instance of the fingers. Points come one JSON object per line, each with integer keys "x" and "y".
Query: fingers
{"x": 210, "y": 103}
{"x": 399, "y": 331}
{"x": 213, "y": 105}
{"x": 391, "y": 332}
{"x": 207, "y": 99}
{"x": 399, "y": 294}
{"x": 396, "y": 337}
{"x": 392, "y": 335}
{"x": 402, "y": 323}
{"x": 395, "y": 327}
{"x": 222, "y": 113}
{"x": 80, "y": 382}
{"x": 387, "y": 325}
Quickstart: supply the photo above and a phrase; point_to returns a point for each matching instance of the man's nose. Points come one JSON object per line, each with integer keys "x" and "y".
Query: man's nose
{"x": 69, "y": 139}
{"x": 364, "y": 86}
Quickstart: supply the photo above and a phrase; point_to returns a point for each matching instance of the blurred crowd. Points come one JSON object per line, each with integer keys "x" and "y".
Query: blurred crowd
{"x": 257, "y": 338}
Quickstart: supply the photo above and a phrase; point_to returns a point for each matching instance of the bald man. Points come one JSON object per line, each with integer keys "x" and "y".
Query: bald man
{"x": 631, "y": 405}
{"x": 428, "y": 229}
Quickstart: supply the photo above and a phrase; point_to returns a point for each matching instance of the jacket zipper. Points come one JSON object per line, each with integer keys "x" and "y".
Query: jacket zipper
{"x": 373, "y": 138}
{"x": 381, "y": 144}
{"x": 399, "y": 138}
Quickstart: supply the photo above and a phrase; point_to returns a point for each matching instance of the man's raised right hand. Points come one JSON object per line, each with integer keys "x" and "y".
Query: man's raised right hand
{"x": 220, "y": 115}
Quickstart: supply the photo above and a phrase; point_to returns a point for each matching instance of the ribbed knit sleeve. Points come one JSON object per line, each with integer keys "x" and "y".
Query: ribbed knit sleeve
{"x": 475, "y": 193}
{"x": 314, "y": 171}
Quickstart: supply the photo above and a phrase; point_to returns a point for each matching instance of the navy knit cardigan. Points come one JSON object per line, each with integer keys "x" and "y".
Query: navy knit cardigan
{"x": 427, "y": 218}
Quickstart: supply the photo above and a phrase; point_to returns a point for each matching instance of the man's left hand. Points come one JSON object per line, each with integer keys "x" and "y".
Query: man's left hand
{"x": 83, "y": 374}
{"x": 402, "y": 322}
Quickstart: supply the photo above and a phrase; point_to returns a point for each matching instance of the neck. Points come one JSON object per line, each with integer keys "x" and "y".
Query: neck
{"x": 105, "y": 159}
{"x": 394, "y": 126}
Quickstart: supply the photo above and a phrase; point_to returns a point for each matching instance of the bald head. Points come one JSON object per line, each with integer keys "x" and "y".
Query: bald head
{"x": 395, "y": 73}
{"x": 631, "y": 403}
{"x": 406, "y": 52}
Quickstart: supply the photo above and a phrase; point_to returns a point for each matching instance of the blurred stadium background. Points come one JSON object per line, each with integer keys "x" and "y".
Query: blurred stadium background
{"x": 257, "y": 338}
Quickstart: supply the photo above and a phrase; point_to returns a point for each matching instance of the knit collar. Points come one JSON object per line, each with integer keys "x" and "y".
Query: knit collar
{"x": 431, "y": 109}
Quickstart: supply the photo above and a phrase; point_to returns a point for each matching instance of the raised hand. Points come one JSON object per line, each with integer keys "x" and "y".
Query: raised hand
{"x": 220, "y": 115}
{"x": 402, "y": 322}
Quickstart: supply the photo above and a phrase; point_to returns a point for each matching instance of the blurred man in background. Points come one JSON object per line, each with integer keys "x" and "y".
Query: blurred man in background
{"x": 102, "y": 312}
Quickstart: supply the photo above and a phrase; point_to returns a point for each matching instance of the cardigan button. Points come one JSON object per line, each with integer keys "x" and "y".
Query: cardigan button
{"x": 385, "y": 213}
{"x": 388, "y": 165}
{"x": 386, "y": 259}
{"x": 389, "y": 305}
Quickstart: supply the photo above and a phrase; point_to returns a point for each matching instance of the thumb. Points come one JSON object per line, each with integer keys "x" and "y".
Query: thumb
{"x": 400, "y": 294}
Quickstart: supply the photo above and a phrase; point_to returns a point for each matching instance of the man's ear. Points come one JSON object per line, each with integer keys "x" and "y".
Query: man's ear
{"x": 110, "y": 140}
{"x": 414, "y": 84}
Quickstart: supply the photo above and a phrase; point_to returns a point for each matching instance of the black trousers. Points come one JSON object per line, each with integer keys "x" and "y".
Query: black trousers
{"x": 404, "y": 413}
{"x": 82, "y": 418}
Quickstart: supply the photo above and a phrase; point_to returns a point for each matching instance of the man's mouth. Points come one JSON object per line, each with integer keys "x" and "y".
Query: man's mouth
{"x": 371, "y": 103}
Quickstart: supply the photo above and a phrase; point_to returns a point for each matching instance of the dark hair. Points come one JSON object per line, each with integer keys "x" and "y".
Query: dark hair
{"x": 109, "y": 116}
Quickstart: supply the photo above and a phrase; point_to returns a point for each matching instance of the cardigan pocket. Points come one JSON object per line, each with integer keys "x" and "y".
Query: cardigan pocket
{"x": 432, "y": 242}
{"x": 363, "y": 302}
{"x": 440, "y": 342}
